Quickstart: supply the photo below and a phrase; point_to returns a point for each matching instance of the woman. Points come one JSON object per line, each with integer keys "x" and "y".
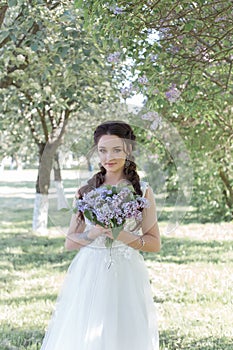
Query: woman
{"x": 102, "y": 306}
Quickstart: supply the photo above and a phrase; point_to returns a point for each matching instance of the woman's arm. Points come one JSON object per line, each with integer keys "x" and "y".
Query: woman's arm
{"x": 76, "y": 237}
{"x": 79, "y": 235}
{"x": 150, "y": 241}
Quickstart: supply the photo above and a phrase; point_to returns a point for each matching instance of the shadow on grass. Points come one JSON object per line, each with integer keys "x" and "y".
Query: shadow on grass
{"x": 172, "y": 340}
{"x": 16, "y": 210}
{"x": 29, "y": 251}
{"x": 29, "y": 299}
{"x": 20, "y": 184}
{"x": 185, "y": 251}
{"x": 18, "y": 339}
{"x": 24, "y": 251}
{"x": 15, "y": 339}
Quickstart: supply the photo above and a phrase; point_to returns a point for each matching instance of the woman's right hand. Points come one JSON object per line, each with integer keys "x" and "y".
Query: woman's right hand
{"x": 98, "y": 230}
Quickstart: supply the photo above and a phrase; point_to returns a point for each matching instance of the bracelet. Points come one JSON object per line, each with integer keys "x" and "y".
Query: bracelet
{"x": 142, "y": 242}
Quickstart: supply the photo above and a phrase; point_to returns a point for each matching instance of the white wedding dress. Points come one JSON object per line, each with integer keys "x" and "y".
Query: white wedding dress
{"x": 105, "y": 303}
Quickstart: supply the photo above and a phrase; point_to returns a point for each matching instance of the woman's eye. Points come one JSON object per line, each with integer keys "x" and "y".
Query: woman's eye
{"x": 117, "y": 150}
{"x": 101, "y": 150}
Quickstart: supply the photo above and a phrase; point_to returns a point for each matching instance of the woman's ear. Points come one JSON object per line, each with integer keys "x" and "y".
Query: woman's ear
{"x": 129, "y": 150}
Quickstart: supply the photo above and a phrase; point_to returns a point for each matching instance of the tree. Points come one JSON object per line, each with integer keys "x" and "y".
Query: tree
{"x": 50, "y": 71}
{"x": 181, "y": 60}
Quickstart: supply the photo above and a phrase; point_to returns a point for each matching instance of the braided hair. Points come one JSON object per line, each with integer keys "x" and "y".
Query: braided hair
{"x": 125, "y": 132}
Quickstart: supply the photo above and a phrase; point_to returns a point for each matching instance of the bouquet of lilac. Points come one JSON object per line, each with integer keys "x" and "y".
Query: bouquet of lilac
{"x": 110, "y": 206}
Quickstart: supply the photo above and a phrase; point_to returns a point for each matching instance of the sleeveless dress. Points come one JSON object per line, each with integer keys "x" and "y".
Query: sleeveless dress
{"x": 106, "y": 302}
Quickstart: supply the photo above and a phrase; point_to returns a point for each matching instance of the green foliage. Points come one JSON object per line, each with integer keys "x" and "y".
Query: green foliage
{"x": 178, "y": 55}
{"x": 50, "y": 69}
{"x": 181, "y": 60}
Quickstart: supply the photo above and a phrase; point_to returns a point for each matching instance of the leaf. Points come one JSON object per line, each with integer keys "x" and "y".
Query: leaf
{"x": 108, "y": 242}
{"x": 3, "y": 35}
{"x": 12, "y": 3}
{"x": 78, "y": 3}
{"x": 114, "y": 189}
{"x": 88, "y": 214}
{"x": 116, "y": 230}
{"x": 34, "y": 47}
{"x": 76, "y": 67}
{"x": 56, "y": 59}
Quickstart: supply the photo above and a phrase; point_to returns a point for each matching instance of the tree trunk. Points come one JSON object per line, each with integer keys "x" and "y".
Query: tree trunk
{"x": 41, "y": 205}
{"x": 40, "y": 213}
{"x": 61, "y": 199}
{"x": 228, "y": 191}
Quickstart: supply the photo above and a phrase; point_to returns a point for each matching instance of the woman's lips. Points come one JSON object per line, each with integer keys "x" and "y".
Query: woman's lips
{"x": 110, "y": 164}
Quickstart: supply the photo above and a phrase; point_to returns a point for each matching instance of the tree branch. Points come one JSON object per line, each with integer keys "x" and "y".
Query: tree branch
{"x": 3, "y": 9}
{"x": 52, "y": 120}
{"x": 41, "y": 113}
{"x": 218, "y": 83}
{"x": 6, "y": 82}
{"x": 33, "y": 130}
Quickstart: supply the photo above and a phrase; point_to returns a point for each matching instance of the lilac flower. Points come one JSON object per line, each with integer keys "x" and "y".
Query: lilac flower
{"x": 117, "y": 10}
{"x": 156, "y": 123}
{"x": 153, "y": 57}
{"x": 126, "y": 91}
{"x": 155, "y": 91}
{"x": 173, "y": 94}
{"x": 143, "y": 80}
{"x": 150, "y": 116}
{"x": 153, "y": 117}
{"x": 111, "y": 206}
{"x": 114, "y": 57}
{"x": 220, "y": 19}
{"x": 175, "y": 49}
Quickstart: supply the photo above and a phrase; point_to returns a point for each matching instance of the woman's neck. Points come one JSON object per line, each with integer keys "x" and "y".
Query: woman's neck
{"x": 113, "y": 179}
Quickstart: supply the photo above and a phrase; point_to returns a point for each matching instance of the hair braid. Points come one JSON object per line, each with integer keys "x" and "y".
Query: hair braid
{"x": 96, "y": 181}
{"x": 132, "y": 176}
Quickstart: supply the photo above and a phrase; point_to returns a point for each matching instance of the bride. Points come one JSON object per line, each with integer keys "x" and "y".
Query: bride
{"x": 106, "y": 301}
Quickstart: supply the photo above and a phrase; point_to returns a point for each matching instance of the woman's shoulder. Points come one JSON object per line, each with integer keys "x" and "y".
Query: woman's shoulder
{"x": 144, "y": 186}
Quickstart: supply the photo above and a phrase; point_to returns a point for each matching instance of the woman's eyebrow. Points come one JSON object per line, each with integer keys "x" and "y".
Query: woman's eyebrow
{"x": 102, "y": 147}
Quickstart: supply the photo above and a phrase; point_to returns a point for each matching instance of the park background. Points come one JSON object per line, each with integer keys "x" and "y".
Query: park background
{"x": 66, "y": 66}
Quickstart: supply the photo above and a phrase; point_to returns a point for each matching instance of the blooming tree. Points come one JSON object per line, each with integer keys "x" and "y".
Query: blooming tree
{"x": 50, "y": 70}
{"x": 182, "y": 54}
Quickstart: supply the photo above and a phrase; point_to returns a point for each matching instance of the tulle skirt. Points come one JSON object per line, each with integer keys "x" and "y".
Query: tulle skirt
{"x": 105, "y": 303}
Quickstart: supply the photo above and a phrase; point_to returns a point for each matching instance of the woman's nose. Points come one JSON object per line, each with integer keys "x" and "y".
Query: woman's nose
{"x": 109, "y": 155}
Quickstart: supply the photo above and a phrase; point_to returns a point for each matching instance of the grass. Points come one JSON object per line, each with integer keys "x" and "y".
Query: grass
{"x": 191, "y": 279}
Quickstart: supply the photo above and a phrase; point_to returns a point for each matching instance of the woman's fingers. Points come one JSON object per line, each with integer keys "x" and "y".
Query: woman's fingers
{"x": 109, "y": 233}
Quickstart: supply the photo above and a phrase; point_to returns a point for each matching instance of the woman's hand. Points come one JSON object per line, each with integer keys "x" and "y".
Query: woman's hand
{"x": 98, "y": 230}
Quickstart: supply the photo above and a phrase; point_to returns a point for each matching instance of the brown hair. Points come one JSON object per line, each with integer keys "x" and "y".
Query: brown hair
{"x": 125, "y": 132}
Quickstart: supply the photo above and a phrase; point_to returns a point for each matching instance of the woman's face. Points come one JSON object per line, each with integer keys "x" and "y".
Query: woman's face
{"x": 112, "y": 154}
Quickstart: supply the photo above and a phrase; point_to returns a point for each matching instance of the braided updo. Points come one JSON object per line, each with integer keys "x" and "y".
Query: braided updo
{"x": 125, "y": 132}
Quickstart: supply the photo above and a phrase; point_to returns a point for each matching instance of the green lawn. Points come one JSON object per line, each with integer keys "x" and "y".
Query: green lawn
{"x": 191, "y": 278}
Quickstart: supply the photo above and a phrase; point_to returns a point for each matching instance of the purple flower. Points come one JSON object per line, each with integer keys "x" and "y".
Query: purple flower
{"x": 127, "y": 90}
{"x": 114, "y": 57}
{"x": 117, "y": 10}
{"x": 153, "y": 117}
{"x": 156, "y": 123}
{"x": 153, "y": 57}
{"x": 143, "y": 80}
{"x": 150, "y": 116}
{"x": 173, "y": 94}
{"x": 111, "y": 206}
